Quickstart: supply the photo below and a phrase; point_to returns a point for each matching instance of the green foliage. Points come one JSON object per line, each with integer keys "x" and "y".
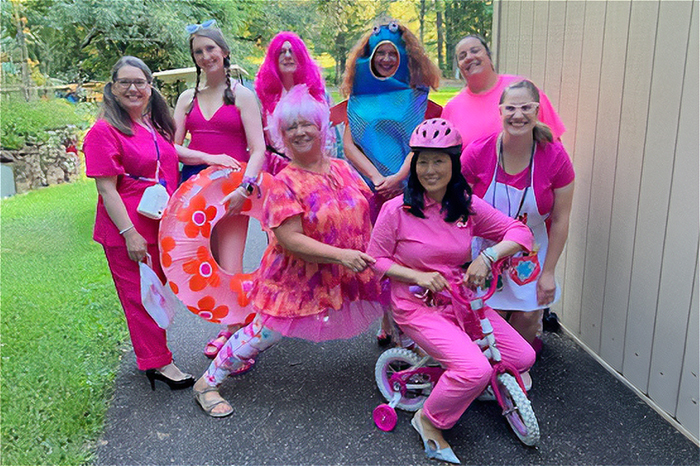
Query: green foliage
{"x": 463, "y": 18}
{"x": 61, "y": 327}
{"x": 23, "y": 121}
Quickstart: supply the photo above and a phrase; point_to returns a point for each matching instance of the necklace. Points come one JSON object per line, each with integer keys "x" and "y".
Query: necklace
{"x": 502, "y": 164}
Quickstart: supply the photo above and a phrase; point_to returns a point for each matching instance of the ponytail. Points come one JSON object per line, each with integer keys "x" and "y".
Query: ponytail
{"x": 542, "y": 133}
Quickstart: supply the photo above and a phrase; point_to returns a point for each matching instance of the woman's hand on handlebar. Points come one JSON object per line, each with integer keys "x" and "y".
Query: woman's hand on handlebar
{"x": 433, "y": 281}
{"x": 477, "y": 273}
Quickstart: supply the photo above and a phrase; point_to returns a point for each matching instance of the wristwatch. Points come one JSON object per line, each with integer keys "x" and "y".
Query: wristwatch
{"x": 248, "y": 187}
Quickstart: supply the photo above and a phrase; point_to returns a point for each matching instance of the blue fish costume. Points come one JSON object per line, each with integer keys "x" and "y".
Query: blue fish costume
{"x": 382, "y": 112}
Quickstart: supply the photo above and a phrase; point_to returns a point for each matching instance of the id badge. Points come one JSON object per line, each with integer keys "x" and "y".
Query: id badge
{"x": 525, "y": 269}
{"x": 153, "y": 201}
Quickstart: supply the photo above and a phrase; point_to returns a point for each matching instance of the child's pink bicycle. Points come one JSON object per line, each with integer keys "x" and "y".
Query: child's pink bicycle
{"x": 405, "y": 379}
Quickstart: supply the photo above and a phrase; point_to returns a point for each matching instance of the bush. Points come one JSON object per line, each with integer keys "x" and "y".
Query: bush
{"x": 24, "y": 122}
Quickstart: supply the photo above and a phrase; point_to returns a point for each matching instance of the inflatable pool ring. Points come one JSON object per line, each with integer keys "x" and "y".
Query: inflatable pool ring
{"x": 185, "y": 251}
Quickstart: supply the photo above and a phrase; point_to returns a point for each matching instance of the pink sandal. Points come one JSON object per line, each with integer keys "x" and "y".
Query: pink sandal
{"x": 214, "y": 345}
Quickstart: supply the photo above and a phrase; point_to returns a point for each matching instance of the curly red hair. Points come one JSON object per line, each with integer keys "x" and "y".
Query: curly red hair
{"x": 422, "y": 69}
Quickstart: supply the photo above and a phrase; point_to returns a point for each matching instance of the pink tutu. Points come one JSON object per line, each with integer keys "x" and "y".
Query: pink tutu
{"x": 350, "y": 320}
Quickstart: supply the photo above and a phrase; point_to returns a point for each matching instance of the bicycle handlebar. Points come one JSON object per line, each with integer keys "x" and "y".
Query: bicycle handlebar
{"x": 495, "y": 272}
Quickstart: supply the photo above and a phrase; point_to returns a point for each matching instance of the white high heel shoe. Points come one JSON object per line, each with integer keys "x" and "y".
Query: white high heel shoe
{"x": 430, "y": 445}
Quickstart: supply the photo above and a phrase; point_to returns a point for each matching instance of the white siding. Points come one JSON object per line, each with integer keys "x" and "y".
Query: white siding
{"x": 624, "y": 77}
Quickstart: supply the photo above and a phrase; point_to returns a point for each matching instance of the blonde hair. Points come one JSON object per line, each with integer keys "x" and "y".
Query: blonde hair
{"x": 422, "y": 70}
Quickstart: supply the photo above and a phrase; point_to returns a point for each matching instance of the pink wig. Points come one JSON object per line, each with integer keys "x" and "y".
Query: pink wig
{"x": 298, "y": 103}
{"x": 268, "y": 82}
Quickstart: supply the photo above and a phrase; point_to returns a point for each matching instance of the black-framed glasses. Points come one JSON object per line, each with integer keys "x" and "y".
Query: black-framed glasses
{"x": 192, "y": 28}
{"x": 125, "y": 84}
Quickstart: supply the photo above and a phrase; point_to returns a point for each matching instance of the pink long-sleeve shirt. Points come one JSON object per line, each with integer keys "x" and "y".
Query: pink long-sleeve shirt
{"x": 431, "y": 244}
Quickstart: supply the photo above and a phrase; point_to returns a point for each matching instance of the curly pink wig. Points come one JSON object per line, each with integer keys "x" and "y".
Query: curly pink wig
{"x": 298, "y": 103}
{"x": 268, "y": 82}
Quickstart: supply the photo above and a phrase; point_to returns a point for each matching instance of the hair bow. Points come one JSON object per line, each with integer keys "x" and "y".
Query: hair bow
{"x": 192, "y": 28}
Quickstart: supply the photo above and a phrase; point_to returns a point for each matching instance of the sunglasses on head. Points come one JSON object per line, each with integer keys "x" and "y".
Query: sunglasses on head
{"x": 192, "y": 28}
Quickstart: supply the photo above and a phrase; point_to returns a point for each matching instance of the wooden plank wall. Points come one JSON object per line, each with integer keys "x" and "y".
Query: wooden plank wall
{"x": 624, "y": 77}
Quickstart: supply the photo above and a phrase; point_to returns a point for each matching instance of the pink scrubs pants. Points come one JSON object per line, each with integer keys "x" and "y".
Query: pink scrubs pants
{"x": 439, "y": 332}
{"x": 148, "y": 339}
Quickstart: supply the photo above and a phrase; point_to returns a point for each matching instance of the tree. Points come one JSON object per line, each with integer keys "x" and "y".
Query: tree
{"x": 463, "y": 18}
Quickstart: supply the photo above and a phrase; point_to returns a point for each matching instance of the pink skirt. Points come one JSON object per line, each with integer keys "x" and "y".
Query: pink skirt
{"x": 350, "y": 320}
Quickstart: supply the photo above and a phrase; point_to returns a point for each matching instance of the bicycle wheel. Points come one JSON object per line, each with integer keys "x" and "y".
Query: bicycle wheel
{"x": 518, "y": 410}
{"x": 395, "y": 360}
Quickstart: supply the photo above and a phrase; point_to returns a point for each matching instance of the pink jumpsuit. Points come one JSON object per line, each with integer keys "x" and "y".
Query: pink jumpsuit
{"x": 431, "y": 244}
{"x": 108, "y": 153}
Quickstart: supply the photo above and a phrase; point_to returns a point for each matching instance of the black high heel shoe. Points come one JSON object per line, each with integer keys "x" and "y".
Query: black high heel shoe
{"x": 152, "y": 375}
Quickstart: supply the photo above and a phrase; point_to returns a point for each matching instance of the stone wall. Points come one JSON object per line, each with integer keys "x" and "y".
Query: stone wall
{"x": 45, "y": 163}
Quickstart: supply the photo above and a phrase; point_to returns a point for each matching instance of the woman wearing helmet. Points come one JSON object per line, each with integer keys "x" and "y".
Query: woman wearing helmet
{"x": 424, "y": 239}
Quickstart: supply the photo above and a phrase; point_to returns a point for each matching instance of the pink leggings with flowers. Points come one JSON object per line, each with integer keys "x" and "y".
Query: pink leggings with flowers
{"x": 243, "y": 346}
{"x": 439, "y": 332}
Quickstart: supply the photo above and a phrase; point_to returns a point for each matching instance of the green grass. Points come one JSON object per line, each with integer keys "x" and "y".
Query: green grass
{"x": 441, "y": 96}
{"x": 62, "y": 327}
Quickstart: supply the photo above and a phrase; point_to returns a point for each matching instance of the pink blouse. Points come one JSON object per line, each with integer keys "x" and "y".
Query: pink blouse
{"x": 431, "y": 244}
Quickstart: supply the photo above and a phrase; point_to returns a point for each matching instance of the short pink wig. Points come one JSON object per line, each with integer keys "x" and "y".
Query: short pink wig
{"x": 298, "y": 103}
{"x": 268, "y": 82}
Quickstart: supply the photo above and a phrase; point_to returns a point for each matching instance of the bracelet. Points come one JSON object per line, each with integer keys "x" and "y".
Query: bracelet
{"x": 126, "y": 229}
{"x": 487, "y": 259}
{"x": 490, "y": 253}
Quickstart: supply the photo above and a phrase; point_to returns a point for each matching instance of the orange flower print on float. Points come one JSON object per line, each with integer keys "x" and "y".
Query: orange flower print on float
{"x": 197, "y": 217}
{"x": 203, "y": 269}
{"x": 167, "y": 244}
{"x": 208, "y": 310}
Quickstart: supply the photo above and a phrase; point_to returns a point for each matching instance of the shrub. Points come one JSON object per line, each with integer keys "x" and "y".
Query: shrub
{"x": 28, "y": 122}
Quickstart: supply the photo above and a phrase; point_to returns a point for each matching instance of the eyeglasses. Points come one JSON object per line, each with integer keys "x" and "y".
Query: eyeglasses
{"x": 528, "y": 108}
{"x": 192, "y": 28}
{"x": 125, "y": 84}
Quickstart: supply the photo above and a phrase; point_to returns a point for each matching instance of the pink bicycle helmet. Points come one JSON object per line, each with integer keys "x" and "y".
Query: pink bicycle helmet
{"x": 435, "y": 133}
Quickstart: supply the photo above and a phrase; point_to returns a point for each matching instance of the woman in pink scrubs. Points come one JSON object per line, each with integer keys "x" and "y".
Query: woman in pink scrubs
{"x": 424, "y": 238}
{"x": 128, "y": 149}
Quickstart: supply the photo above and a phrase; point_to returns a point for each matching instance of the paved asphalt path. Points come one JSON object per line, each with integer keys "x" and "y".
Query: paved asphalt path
{"x": 311, "y": 404}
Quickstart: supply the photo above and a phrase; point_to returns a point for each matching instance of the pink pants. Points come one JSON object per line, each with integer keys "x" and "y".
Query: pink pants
{"x": 439, "y": 332}
{"x": 148, "y": 339}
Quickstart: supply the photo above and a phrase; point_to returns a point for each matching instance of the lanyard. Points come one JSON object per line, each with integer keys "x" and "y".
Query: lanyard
{"x": 155, "y": 178}
{"x": 501, "y": 164}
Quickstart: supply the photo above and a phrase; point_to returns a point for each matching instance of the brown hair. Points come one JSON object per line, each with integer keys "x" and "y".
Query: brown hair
{"x": 214, "y": 34}
{"x": 422, "y": 70}
{"x": 541, "y": 132}
{"x": 157, "y": 107}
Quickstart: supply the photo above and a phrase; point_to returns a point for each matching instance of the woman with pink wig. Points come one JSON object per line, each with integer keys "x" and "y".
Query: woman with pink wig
{"x": 314, "y": 280}
{"x": 286, "y": 64}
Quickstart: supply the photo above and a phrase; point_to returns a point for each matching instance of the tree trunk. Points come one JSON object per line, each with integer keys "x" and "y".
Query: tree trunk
{"x": 440, "y": 34}
{"x": 26, "y": 83}
{"x": 421, "y": 19}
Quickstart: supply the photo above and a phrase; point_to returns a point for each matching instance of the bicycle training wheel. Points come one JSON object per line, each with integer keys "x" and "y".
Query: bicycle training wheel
{"x": 518, "y": 410}
{"x": 396, "y": 360}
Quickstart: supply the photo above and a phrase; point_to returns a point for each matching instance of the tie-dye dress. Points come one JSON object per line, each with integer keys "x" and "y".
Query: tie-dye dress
{"x": 309, "y": 300}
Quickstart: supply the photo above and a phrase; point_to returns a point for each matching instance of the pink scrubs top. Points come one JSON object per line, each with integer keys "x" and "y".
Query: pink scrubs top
{"x": 108, "y": 152}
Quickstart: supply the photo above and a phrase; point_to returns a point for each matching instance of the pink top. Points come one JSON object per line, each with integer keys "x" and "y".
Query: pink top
{"x": 109, "y": 152}
{"x": 552, "y": 169}
{"x": 334, "y": 210}
{"x": 431, "y": 244}
{"x": 222, "y": 134}
{"x": 477, "y": 115}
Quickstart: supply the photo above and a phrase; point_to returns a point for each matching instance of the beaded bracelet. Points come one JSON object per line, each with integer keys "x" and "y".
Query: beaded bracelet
{"x": 249, "y": 184}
